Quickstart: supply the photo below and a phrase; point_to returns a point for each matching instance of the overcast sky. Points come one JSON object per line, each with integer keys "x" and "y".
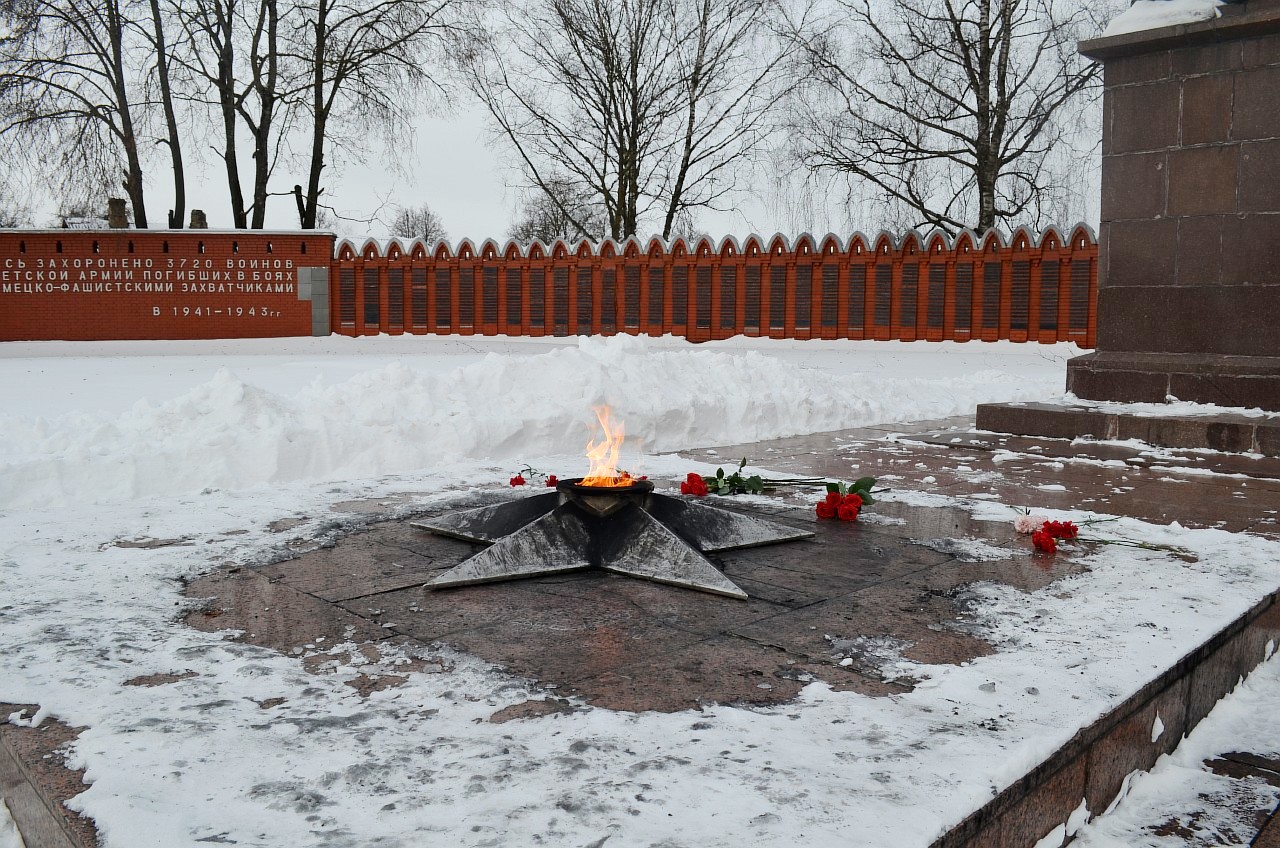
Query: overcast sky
{"x": 453, "y": 167}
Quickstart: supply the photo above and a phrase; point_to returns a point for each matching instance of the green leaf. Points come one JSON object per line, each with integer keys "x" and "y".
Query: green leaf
{"x": 833, "y": 487}
{"x": 867, "y": 500}
{"x": 864, "y": 484}
{"x": 720, "y": 473}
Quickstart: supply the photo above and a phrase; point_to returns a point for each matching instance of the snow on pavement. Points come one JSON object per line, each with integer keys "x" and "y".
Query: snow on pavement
{"x": 9, "y": 836}
{"x": 199, "y": 760}
{"x": 1181, "y": 789}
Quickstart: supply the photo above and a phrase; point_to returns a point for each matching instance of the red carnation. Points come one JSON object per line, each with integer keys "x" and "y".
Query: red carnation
{"x": 1044, "y": 542}
{"x": 1061, "y": 529}
{"x": 518, "y": 480}
{"x": 826, "y": 510}
{"x": 848, "y": 511}
{"x": 853, "y": 500}
{"x": 834, "y": 498}
{"x": 552, "y": 480}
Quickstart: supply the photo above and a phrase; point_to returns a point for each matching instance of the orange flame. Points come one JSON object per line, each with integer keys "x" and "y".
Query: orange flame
{"x": 603, "y": 455}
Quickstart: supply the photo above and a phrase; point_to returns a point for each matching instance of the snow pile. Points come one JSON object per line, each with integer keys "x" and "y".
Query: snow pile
{"x": 9, "y": 836}
{"x": 228, "y": 433}
{"x": 1151, "y": 14}
{"x": 1181, "y": 789}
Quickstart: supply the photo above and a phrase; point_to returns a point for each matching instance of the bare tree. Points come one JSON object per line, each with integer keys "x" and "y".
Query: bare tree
{"x": 369, "y": 64}
{"x": 729, "y": 83}
{"x": 561, "y": 213}
{"x": 80, "y": 212}
{"x": 949, "y": 110}
{"x": 650, "y": 106}
{"x": 160, "y": 49}
{"x": 69, "y": 75}
{"x": 13, "y": 213}
{"x": 237, "y": 58}
{"x": 419, "y": 222}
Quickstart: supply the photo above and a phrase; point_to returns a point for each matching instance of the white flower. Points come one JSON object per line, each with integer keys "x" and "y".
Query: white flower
{"x": 1029, "y": 523}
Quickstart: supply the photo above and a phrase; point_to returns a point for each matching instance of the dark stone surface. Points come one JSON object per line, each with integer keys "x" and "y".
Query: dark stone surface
{"x": 1203, "y": 180}
{"x": 1190, "y": 319}
{"x": 1206, "y": 58}
{"x": 1140, "y": 253}
{"x": 1257, "y": 52}
{"x": 1193, "y": 434}
{"x": 1128, "y": 746}
{"x": 1145, "y": 67}
{"x": 1206, "y": 110}
{"x": 1269, "y": 837}
{"x": 1199, "y": 250}
{"x": 1145, "y": 117}
{"x": 1050, "y": 804}
{"x": 1219, "y": 673}
{"x": 1231, "y": 390}
{"x": 1260, "y": 176}
{"x": 1198, "y": 432}
{"x": 1251, "y": 254}
{"x": 1137, "y": 185}
{"x": 1190, "y": 230}
{"x": 1132, "y": 386}
{"x": 1257, "y": 104}
{"x": 1230, "y": 766}
{"x": 39, "y": 754}
{"x": 1059, "y": 423}
{"x": 1268, "y": 440}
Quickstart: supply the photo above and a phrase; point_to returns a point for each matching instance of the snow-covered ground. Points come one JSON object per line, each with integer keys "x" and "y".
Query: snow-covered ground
{"x": 210, "y": 443}
{"x": 1180, "y": 788}
{"x": 9, "y": 836}
{"x": 97, "y": 422}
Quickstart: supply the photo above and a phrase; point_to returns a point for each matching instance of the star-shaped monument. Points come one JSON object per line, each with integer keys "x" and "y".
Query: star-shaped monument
{"x": 627, "y": 529}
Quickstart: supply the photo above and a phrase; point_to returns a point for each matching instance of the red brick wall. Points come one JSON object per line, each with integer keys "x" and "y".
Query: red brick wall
{"x": 139, "y": 284}
{"x": 1024, "y": 289}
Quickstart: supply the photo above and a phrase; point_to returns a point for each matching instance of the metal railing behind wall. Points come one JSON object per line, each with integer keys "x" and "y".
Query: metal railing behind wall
{"x": 934, "y": 288}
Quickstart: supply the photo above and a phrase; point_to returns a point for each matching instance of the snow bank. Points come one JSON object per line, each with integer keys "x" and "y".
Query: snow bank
{"x": 228, "y": 433}
{"x": 9, "y": 836}
{"x": 1150, "y": 14}
{"x": 1182, "y": 790}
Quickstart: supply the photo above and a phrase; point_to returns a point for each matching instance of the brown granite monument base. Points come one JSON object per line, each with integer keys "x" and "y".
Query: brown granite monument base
{"x": 1189, "y": 243}
{"x": 1228, "y": 432}
{"x": 1251, "y": 382}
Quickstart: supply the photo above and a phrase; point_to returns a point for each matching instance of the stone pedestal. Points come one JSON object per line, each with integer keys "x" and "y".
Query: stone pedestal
{"x": 1189, "y": 268}
{"x": 1189, "y": 247}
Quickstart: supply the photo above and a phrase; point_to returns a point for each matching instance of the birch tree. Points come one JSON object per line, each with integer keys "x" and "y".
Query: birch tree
{"x": 953, "y": 111}
{"x": 650, "y": 107}
{"x": 370, "y": 64}
{"x": 69, "y": 84}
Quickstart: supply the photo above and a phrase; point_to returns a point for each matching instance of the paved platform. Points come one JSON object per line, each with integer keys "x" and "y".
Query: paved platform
{"x": 829, "y": 609}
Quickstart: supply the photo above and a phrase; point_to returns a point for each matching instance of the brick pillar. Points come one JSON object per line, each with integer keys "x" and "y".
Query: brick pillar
{"x": 1189, "y": 276}
{"x": 117, "y": 213}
